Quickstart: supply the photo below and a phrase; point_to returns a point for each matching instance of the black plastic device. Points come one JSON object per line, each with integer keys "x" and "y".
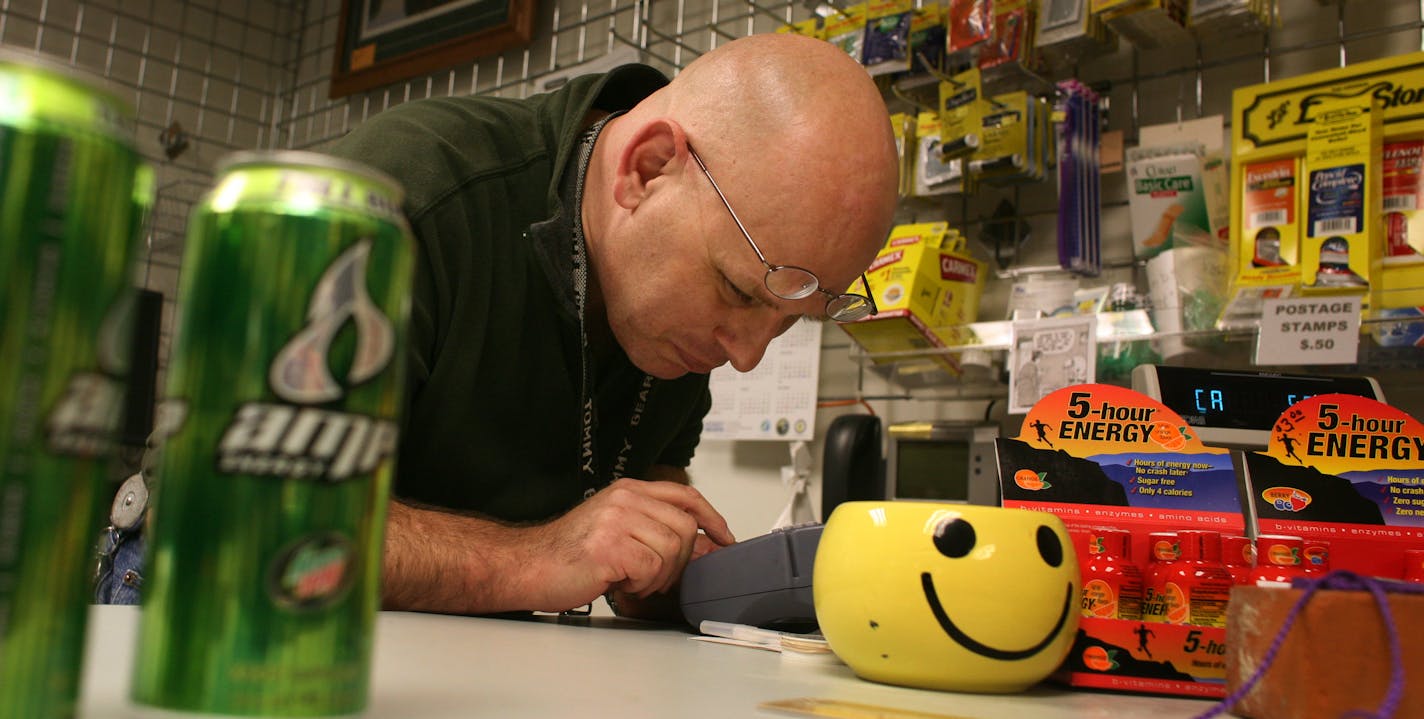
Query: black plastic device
{"x": 763, "y": 582}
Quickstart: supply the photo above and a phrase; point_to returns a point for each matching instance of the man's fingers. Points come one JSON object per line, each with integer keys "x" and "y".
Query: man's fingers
{"x": 688, "y": 500}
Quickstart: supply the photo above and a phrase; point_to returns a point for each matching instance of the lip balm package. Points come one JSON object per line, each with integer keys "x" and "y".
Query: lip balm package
{"x": 961, "y": 111}
{"x": 933, "y": 174}
{"x": 1342, "y": 200}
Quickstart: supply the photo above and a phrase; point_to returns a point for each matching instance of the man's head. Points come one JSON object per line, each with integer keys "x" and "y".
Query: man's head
{"x": 798, "y": 139}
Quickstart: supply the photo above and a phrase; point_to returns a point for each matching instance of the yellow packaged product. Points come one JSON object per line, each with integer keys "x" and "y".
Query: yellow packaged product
{"x": 932, "y": 174}
{"x": 903, "y": 125}
{"x": 961, "y": 109}
{"x": 809, "y": 28}
{"x": 1270, "y": 222}
{"x": 1270, "y": 121}
{"x": 1342, "y": 198}
{"x": 927, "y": 287}
{"x": 1402, "y": 266}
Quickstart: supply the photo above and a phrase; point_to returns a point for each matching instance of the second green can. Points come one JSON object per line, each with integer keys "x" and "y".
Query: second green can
{"x": 265, "y": 535}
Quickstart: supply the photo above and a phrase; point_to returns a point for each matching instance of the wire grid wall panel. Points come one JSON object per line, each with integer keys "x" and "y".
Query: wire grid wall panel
{"x": 1141, "y": 87}
{"x": 215, "y": 69}
{"x": 255, "y": 75}
{"x": 570, "y": 36}
{"x": 1171, "y": 84}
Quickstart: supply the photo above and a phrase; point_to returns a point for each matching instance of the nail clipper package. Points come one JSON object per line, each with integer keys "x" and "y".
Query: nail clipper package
{"x": 933, "y": 174}
{"x": 1342, "y": 199}
{"x": 887, "y": 37}
{"x": 961, "y": 111}
{"x": 846, "y": 30}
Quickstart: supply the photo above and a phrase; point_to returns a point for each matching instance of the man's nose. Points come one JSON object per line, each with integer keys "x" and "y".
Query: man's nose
{"x": 745, "y": 341}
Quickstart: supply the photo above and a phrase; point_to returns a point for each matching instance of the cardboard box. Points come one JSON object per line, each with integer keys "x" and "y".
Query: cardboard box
{"x": 926, "y": 288}
{"x": 1344, "y": 470}
{"x": 1100, "y": 455}
{"x": 1334, "y": 660}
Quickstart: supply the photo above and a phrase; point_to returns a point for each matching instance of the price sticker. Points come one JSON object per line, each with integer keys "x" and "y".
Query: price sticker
{"x": 1308, "y": 331}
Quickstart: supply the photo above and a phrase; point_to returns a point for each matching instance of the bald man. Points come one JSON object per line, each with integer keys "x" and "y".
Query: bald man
{"x": 584, "y": 259}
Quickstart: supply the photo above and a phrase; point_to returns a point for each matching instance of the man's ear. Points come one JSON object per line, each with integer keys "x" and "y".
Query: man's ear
{"x": 655, "y": 149}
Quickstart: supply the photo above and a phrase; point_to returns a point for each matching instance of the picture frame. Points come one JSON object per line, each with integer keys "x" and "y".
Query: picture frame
{"x": 380, "y": 42}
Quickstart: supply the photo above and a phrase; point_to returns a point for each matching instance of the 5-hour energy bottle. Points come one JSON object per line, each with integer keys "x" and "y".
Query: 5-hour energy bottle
{"x": 1112, "y": 584}
{"x": 1195, "y": 588}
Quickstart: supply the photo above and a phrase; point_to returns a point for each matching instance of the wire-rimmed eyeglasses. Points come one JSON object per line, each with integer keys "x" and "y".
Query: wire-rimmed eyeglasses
{"x": 790, "y": 282}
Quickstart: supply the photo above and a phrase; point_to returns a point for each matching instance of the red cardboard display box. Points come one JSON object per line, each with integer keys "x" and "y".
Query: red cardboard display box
{"x": 1346, "y": 470}
{"x": 1100, "y": 455}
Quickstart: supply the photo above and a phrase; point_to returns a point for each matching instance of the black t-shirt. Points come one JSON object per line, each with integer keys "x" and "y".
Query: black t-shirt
{"x": 493, "y": 422}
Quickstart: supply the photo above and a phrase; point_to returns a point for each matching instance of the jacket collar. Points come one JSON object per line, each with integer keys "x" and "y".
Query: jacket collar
{"x": 563, "y": 118}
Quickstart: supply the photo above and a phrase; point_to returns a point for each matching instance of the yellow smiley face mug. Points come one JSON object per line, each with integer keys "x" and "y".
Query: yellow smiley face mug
{"x": 946, "y": 596}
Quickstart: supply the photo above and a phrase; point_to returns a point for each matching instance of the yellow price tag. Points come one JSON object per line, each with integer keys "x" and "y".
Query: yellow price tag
{"x": 836, "y": 709}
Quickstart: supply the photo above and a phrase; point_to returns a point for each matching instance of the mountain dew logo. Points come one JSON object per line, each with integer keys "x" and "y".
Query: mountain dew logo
{"x": 313, "y": 573}
{"x": 290, "y": 440}
{"x": 1031, "y": 480}
{"x": 301, "y": 372}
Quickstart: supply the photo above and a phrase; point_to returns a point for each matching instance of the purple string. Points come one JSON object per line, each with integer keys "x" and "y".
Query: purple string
{"x": 1349, "y": 581}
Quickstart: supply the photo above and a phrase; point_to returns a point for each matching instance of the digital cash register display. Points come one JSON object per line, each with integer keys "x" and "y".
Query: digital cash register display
{"x": 1239, "y": 408}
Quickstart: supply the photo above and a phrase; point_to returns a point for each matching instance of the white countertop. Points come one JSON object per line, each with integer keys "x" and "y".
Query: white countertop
{"x": 441, "y": 666}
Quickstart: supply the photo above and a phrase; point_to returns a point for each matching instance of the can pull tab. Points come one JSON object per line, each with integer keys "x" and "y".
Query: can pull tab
{"x": 130, "y": 504}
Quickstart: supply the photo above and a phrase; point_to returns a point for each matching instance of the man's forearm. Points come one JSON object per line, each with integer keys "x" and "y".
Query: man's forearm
{"x": 440, "y": 562}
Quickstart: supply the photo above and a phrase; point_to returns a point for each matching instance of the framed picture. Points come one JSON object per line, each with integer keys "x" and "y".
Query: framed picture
{"x": 380, "y": 42}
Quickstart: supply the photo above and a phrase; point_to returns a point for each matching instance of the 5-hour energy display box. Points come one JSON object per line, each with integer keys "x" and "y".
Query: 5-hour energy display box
{"x": 1105, "y": 457}
{"x": 1347, "y": 470}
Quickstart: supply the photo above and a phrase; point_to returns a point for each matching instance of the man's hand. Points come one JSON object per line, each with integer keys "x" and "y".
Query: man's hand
{"x": 633, "y": 536}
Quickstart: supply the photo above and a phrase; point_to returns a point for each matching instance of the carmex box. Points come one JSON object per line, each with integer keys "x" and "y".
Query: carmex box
{"x": 926, "y": 288}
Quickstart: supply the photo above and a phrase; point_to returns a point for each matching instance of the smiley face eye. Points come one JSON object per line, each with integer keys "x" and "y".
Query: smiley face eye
{"x": 1049, "y": 547}
{"x": 954, "y": 538}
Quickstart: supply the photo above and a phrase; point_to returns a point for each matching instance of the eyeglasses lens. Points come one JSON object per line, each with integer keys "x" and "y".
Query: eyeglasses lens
{"x": 791, "y": 283}
{"x": 847, "y": 308}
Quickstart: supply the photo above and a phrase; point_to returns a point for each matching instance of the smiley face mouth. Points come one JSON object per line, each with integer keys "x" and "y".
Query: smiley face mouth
{"x": 979, "y": 648}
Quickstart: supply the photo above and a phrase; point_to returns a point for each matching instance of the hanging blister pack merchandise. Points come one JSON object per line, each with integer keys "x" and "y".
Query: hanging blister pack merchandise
{"x": 1079, "y": 200}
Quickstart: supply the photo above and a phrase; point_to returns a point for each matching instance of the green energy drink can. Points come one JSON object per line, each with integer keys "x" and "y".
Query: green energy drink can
{"x": 67, "y": 164}
{"x": 264, "y": 544}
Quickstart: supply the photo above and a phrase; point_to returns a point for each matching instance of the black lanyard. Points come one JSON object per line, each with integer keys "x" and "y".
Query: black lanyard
{"x": 588, "y": 411}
